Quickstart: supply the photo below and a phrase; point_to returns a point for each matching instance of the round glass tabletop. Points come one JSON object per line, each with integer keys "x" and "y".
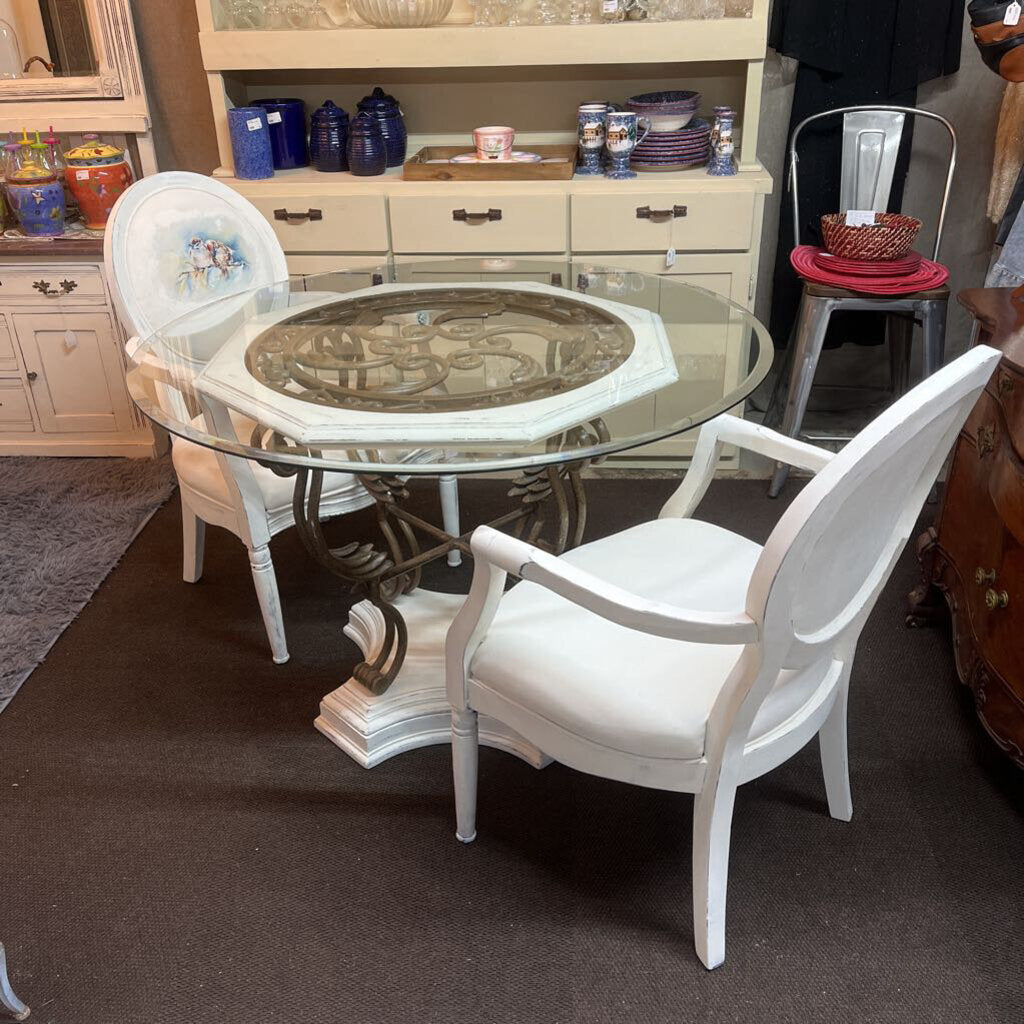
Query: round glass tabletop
{"x": 446, "y": 366}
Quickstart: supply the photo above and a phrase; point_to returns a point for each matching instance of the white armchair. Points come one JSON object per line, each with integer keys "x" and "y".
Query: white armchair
{"x": 681, "y": 656}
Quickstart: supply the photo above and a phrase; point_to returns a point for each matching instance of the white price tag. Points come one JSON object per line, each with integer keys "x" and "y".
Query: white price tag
{"x": 859, "y": 218}
{"x": 82, "y": 175}
{"x": 609, "y": 6}
{"x": 254, "y": 124}
{"x": 670, "y": 258}
{"x": 274, "y": 117}
{"x": 1012, "y": 15}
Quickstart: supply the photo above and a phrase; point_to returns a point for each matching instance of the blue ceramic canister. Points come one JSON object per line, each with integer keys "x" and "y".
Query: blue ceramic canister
{"x": 328, "y": 137}
{"x": 392, "y": 124}
{"x": 250, "y": 142}
{"x": 287, "y": 121}
{"x": 366, "y": 152}
{"x": 38, "y": 205}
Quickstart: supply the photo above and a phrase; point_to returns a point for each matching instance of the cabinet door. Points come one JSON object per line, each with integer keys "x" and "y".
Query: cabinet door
{"x": 336, "y": 273}
{"x": 78, "y": 385}
{"x": 716, "y": 350}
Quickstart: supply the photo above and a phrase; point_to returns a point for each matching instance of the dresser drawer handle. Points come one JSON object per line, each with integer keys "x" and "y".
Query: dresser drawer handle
{"x": 646, "y": 213}
{"x": 66, "y": 288}
{"x": 1005, "y": 386}
{"x": 986, "y": 440}
{"x": 476, "y": 218}
{"x": 981, "y": 577}
{"x": 996, "y": 599}
{"x": 298, "y": 218}
{"x": 32, "y": 375}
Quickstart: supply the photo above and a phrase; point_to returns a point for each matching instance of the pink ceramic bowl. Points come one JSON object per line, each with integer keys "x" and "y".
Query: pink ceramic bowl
{"x": 494, "y": 142}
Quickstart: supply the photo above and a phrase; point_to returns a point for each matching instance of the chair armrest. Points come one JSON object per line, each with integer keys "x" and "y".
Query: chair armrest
{"x": 728, "y": 429}
{"x": 608, "y": 600}
{"x": 131, "y": 346}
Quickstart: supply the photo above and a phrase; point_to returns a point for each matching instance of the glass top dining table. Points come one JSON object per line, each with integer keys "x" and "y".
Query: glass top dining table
{"x": 449, "y": 367}
{"x": 444, "y": 368}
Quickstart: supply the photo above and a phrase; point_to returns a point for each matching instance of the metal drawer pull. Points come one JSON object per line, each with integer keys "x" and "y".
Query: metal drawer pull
{"x": 996, "y": 599}
{"x": 66, "y": 288}
{"x": 981, "y": 577}
{"x": 476, "y": 218}
{"x": 298, "y": 218}
{"x": 32, "y": 375}
{"x": 646, "y": 213}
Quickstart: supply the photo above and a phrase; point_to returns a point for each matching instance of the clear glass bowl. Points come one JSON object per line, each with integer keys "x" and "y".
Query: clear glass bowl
{"x": 402, "y": 13}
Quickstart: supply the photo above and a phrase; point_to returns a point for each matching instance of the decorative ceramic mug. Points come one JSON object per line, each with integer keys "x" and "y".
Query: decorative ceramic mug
{"x": 494, "y": 142}
{"x": 623, "y": 132}
{"x": 590, "y": 134}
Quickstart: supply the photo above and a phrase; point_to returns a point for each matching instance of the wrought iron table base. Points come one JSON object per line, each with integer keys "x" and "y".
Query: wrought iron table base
{"x": 8, "y": 1000}
{"x": 396, "y": 700}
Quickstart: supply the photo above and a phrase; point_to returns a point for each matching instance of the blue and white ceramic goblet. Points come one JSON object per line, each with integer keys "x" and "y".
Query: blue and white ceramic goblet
{"x": 623, "y": 132}
{"x": 590, "y": 135}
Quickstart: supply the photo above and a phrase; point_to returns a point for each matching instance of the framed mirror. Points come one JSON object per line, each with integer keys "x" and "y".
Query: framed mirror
{"x": 65, "y": 49}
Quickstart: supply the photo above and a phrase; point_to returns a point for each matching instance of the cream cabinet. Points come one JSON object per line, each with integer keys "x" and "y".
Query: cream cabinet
{"x": 62, "y": 389}
{"x": 450, "y": 78}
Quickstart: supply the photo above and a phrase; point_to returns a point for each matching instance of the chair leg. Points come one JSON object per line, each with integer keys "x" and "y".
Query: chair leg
{"x": 933, "y": 323}
{"x": 810, "y": 335}
{"x": 270, "y": 602}
{"x": 835, "y": 763}
{"x": 193, "y": 542}
{"x": 8, "y": 1000}
{"x": 899, "y": 332}
{"x": 465, "y": 755}
{"x": 449, "y": 486}
{"x": 712, "y": 825}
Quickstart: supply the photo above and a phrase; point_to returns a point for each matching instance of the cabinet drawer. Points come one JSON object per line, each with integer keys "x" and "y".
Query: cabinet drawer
{"x": 15, "y": 411}
{"x": 656, "y": 221}
{"x": 446, "y": 223}
{"x": 52, "y": 284}
{"x": 8, "y": 358}
{"x": 344, "y": 224}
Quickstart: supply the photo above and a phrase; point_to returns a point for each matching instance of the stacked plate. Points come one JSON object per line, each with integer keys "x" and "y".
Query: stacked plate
{"x": 674, "y": 151}
{"x": 913, "y": 273}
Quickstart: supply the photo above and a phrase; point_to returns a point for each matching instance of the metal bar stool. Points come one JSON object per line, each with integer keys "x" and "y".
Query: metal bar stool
{"x": 871, "y": 141}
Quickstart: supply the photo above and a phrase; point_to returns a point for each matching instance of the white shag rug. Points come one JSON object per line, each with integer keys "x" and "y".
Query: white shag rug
{"x": 64, "y": 524}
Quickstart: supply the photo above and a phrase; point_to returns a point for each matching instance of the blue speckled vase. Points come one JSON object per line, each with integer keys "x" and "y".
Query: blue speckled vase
{"x": 250, "y": 142}
{"x": 366, "y": 152}
{"x": 38, "y": 205}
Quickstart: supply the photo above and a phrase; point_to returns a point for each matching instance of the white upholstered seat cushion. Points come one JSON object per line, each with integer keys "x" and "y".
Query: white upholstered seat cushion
{"x": 197, "y": 467}
{"x": 621, "y": 689}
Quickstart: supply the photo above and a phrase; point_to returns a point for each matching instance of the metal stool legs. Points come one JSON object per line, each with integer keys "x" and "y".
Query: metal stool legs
{"x": 8, "y": 1000}
{"x": 933, "y": 323}
{"x": 810, "y": 336}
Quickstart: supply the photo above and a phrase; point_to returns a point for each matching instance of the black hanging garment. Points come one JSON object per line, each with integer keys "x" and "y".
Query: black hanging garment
{"x": 851, "y": 52}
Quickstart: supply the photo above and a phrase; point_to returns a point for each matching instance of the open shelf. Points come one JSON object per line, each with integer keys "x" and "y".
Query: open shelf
{"x": 466, "y": 46}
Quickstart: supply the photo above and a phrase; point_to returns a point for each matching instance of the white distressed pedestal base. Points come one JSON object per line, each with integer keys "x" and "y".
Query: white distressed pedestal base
{"x": 414, "y": 712}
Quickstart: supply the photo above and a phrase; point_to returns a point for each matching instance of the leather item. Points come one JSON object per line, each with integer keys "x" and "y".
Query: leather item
{"x": 999, "y": 44}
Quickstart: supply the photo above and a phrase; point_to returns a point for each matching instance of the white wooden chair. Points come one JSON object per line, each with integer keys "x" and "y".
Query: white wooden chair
{"x": 164, "y": 261}
{"x": 680, "y": 656}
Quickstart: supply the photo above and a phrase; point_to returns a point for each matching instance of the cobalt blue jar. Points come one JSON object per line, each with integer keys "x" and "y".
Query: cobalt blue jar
{"x": 250, "y": 142}
{"x": 286, "y": 119}
{"x": 328, "y": 138}
{"x": 392, "y": 124}
{"x": 366, "y": 152}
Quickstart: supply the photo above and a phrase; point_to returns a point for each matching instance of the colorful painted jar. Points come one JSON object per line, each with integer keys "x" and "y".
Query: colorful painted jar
{"x": 34, "y": 191}
{"x": 386, "y": 110}
{"x": 97, "y": 174}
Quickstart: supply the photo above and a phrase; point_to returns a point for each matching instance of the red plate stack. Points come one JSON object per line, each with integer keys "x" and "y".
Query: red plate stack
{"x": 913, "y": 273}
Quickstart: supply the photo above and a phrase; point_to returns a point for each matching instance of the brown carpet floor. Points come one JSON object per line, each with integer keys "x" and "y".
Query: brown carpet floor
{"x": 179, "y": 846}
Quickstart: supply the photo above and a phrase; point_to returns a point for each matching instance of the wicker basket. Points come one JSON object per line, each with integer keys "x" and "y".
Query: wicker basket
{"x": 890, "y": 238}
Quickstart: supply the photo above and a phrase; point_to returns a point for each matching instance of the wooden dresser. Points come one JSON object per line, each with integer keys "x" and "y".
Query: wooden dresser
{"x": 974, "y": 554}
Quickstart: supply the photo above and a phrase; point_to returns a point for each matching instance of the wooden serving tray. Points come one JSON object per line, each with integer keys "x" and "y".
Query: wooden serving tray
{"x": 418, "y": 169}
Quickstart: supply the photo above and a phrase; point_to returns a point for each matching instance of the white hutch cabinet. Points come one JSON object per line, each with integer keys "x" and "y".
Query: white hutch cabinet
{"x": 454, "y": 77}
{"x": 62, "y": 389}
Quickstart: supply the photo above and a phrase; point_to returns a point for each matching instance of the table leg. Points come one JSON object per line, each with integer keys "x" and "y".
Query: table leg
{"x": 395, "y": 700}
{"x": 8, "y": 1000}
